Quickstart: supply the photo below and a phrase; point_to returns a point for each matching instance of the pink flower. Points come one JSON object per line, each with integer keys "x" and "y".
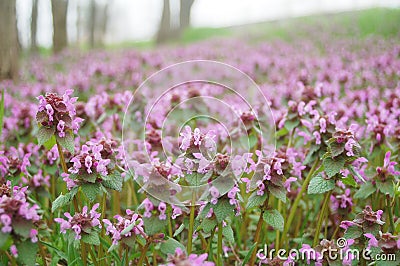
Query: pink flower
{"x": 60, "y": 128}
{"x": 288, "y": 182}
{"x": 14, "y": 251}
{"x": 373, "y": 242}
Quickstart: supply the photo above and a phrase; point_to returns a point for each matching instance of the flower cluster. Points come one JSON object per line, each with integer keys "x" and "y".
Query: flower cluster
{"x": 82, "y": 223}
{"x": 125, "y": 227}
{"x": 58, "y": 113}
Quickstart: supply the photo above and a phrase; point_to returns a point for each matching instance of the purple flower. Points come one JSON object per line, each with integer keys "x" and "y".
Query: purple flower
{"x": 14, "y": 251}
{"x": 81, "y": 222}
{"x": 288, "y": 182}
{"x": 116, "y": 229}
{"x": 372, "y": 242}
{"x": 60, "y": 128}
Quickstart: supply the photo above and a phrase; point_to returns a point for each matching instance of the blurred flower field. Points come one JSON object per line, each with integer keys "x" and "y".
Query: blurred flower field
{"x": 75, "y": 191}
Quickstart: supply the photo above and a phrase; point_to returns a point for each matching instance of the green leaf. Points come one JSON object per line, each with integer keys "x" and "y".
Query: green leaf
{"x": 291, "y": 124}
{"x": 282, "y": 132}
{"x": 274, "y": 218}
{"x": 153, "y": 225}
{"x": 169, "y": 246}
{"x": 63, "y": 200}
{"x": 208, "y": 224}
{"x": 113, "y": 181}
{"x": 45, "y": 134}
{"x": 255, "y": 200}
{"x": 278, "y": 192}
{"x": 353, "y": 232}
{"x": 227, "y": 232}
{"x": 386, "y": 187}
{"x": 50, "y": 143}
{"x": 336, "y": 148}
{"x": 320, "y": 185}
{"x": 248, "y": 255}
{"x": 92, "y": 238}
{"x": 333, "y": 166}
{"x": 22, "y": 227}
{"x": 3, "y": 239}
{"x": 364, "y": 191}
{"x": 91, "y": 190}
{"x": 67, "y": 142}
{"x": 252, "y": 140}
{"x": 223, "y": 209}
{"x": 179, "y": 230}
{"x": 27, "y": 252}
{"x": 349, "y": 180}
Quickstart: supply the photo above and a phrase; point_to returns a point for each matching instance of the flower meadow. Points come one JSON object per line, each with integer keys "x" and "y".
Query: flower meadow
{"x": 99, "y": 168}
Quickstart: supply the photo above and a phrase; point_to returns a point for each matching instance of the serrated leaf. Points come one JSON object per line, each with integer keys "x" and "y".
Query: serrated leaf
{"x": 227, "y": 232}
{"x": 274, "y": 218}
{"x": 27, "y": 252}
{"x": 45, "y": 134}
{"x": 255, "y": 200}
{"x": 349, "y": 180}
{"x": 22, "y": 227}
{"x": 67, "y": 142}
{"x": 333, "y": 166}
{"x": 223, "y": 209}
{"x": 207, "y": 225}
{"x": 113, "y": 181}
{"x": 353, "y": 232}
{"x": 153, "y": 225}
{"x": 386, "y": 187}
{"x": 63, "y": 200}
{"x": 92, "y": 238}
{"x": 364, "y": 191}
{"x": 278, "y": 192}
{"x": 91, "y": 190}
{"x": 336, "y": 148}
{"x": 169, "y": 246}
{"x": 320, "y": 185}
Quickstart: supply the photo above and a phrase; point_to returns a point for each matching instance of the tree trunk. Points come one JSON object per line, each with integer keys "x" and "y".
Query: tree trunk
{"x": 164, "y": 30}
{"x": 34, "y": 16}
{"x": 184, "y": 13}
{"x": 104, "y": 23}
{"x": 9, "y": 40}
{"x": 60, "y": 38}
{"x": 92, "y": 23}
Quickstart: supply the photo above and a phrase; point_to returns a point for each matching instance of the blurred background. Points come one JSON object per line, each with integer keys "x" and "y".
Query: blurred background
{"x": 49, "y": 26}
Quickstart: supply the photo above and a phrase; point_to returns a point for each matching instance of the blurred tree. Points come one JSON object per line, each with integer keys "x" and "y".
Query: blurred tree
{"x": 9, "y": 46}
{"x": 34, "y": 17}
{"x": 60, "y": 38}
{"x": 92, "y": 23}
{"x": 164, "y": 31}
{"x": 97, "y": 23}
{"x": 184, "y": 14}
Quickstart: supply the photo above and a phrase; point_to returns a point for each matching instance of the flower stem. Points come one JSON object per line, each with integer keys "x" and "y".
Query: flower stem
{"x": 103, "y": 210}
{"x": 389, "y": 211}
{"x": 257, "y": 235}
{"x": 321, "y": 217}
{"x": 219, "y": 245}
{"x": 93, "y": 256}
{"x": 144, "y": 251}
{"x": 277, "y": 231}
{"x": 293, "y": 209}
{"x": 84, "y": 253}
{"x": 191, "y": 226}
